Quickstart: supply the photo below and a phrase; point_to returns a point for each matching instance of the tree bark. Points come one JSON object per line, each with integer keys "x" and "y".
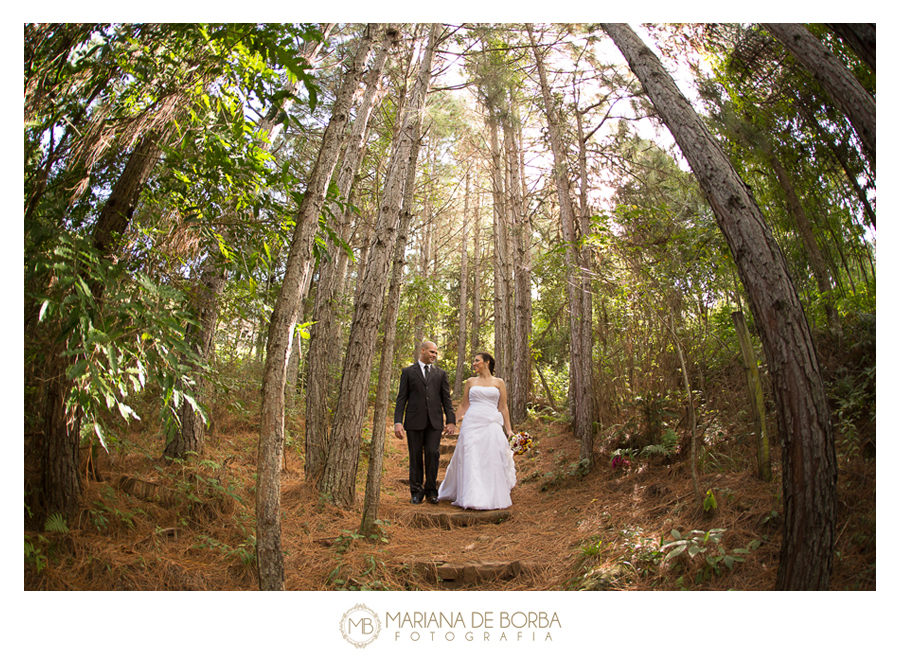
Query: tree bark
{"x": 837, "y": 80}
{"x": 270, "y": 560}
{"x": 476, "y": 274}
{"x": 213, "y": 279}
{"x": 119, "y": 208}
{"x": 382, "y": 395}
{"x": 324, "y": 332}
{"x": 804, "y": 227}
{"x": 520, "y": 244}
{"x": 502, "y": 290}
{"x": 804, "y": 421}
{"x": 190, "y": 435}
{"x": 339, "y": 479}
{"x": 580, "y": 363}
{"x": 60, "y": 483}
{"x": 586, "y": 267}
{"x": 463, "y": 300}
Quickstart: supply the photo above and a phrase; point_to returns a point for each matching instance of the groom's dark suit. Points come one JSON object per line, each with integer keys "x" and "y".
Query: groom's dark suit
{"x": 424, "y": 405}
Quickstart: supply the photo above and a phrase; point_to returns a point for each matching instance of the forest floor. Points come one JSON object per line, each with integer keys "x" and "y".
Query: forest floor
{"x": 149, "y": 524}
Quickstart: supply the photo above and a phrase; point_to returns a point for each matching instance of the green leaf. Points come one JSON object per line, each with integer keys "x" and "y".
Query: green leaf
{"x": 43, "y": 311}
{"x": 113, "y": 361}
{"x": 78, "y": 369}
{"x": 678, "y": 551}
{"x": 126, "y": 411}
{"x": 99, "y": 432}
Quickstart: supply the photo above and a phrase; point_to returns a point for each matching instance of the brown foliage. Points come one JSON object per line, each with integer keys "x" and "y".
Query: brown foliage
{"x": 202, "y": 539}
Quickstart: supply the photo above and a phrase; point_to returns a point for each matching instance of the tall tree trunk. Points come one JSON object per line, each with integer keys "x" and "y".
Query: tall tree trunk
{"x": 837, "y": 80}
{"x": 804, "y": 421}
{"x": 362, "y": 261}
{"x": 60, "y": 481}
{"x": 520, "y": 234}
{"x": 463, "y": 290}
{"x": 476, "y": 274}
{"x": 270, "y": 560}
{"x": 60, "y": 484}
{"x": 502, "y": 292}
{"x": 580, "y": 363}
{"x": 586, "y": 267}
{"x": 119, "y": 208}
{"x": 382, "y": 394}
{"x": 804, "y": 227}
{"x": 190, "y": 433}
{"x": 425, "y": 253}
{"x": 325, "y": 330}
{"x": 293, "y": 368}
{"x": 339, "y": 480}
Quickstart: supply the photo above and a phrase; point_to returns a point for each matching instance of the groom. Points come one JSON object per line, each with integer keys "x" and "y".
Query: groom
{"x": 425, "y": 399}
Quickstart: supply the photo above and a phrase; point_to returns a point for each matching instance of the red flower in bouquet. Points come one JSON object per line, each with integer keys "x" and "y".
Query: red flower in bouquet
{"x": 521, "y": 443}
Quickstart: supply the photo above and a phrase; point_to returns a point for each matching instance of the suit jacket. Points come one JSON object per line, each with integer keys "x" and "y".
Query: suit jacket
{"x": 420, "y": 402}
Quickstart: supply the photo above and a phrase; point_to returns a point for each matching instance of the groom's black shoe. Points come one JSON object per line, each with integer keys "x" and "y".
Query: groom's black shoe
{"x": 433, "y": 500}
{"x": 417, "y": 498}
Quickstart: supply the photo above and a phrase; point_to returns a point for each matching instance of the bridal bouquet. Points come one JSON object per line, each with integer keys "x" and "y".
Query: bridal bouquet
{"x": 520, "y": 443}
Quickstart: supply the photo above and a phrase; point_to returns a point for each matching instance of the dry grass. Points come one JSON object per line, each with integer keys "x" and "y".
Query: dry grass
{"x": 190, "y": 526}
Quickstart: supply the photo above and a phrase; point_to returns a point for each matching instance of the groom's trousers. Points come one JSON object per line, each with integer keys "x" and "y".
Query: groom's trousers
{"x": 424, "y": 459}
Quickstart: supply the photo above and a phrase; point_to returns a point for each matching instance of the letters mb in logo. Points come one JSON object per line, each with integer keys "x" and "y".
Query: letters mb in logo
{"x": 360, "y": 625}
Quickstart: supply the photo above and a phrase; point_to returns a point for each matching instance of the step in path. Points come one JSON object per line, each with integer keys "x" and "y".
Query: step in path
{"x": 458, "y": 575}
{"x": 444, "y": 515}
{"x": 450, "y": 575}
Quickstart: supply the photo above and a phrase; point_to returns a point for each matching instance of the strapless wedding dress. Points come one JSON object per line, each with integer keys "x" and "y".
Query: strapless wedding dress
{"x": 481, "y": 471}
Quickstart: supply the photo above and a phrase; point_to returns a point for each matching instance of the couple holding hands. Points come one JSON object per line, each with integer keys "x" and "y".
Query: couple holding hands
{"x": 481, "y": 472}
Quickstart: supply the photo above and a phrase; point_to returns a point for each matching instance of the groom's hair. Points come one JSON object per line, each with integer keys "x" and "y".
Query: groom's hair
{"x": 490, "y": 360}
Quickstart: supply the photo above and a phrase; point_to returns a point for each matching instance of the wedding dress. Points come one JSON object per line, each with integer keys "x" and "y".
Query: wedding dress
{"x": 481, "y": 471}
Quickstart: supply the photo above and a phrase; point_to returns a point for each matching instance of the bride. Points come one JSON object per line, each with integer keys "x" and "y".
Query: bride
{"x": 481, "y": 471}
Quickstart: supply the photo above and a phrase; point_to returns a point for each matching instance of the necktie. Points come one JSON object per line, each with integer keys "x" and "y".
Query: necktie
{"x": 427, "y": 371}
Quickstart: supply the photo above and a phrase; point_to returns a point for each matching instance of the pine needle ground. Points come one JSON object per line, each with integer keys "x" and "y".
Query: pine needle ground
{"x": 190, "y": 525}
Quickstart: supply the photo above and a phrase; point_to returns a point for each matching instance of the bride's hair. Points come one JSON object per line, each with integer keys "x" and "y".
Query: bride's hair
{"x": 489, "y": 359}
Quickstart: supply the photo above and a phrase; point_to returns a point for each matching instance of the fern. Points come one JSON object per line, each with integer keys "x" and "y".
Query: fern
{"x": 56, "y": 523}
{"x": 664, "y": 449}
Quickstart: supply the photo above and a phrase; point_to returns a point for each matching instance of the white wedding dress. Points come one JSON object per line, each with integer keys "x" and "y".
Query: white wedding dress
{"x": 481, "y": 471}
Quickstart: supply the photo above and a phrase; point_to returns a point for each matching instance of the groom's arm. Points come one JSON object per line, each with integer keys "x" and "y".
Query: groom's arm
{"x": 400, "y": 407}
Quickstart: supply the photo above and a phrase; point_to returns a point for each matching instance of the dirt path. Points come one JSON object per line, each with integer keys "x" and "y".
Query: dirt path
{"x": 565, "y": 529}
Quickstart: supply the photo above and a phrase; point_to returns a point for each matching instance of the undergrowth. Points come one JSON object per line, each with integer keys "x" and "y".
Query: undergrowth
{"x": 630, "y": 519}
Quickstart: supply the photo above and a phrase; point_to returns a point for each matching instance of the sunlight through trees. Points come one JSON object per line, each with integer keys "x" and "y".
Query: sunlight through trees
{"x": 269, "y": 219}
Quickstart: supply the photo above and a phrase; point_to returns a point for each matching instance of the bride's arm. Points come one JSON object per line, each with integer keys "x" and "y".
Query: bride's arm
{"x": 464, "y": 404}
{"x": 503, "y": 409}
